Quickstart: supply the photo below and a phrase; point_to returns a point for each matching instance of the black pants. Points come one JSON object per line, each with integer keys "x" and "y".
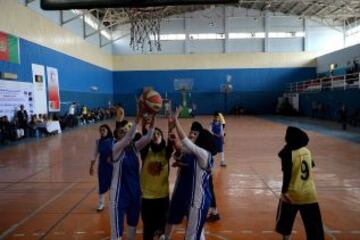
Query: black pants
{"x": 311, "y": 217}
{"x": 211, "y": 185}
{"x": 153, "y": 214}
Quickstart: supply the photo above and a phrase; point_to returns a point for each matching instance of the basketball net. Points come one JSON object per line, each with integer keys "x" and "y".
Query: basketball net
{"x": 145, "y": 27}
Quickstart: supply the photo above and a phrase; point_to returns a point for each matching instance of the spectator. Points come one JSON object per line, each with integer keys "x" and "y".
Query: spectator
{"x": 8, "y": 130}
{"x": 20, "y": 132}
{"x": 343, "y": 116}
{"x": 22, "y": 117}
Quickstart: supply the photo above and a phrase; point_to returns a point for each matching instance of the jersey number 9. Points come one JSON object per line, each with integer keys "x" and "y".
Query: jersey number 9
{"x": 304, "y": 170}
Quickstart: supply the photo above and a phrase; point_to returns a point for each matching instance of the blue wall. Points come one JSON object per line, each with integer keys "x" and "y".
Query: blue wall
{"x": 255, "y": 89}
{"x": 75, "y": 76}
{"x": 332, "y": 101}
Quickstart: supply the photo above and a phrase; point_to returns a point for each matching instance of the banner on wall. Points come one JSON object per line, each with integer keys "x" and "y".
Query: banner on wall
{"x": 9, "y": 48}
{"x": 12, "y": 95}
{"x": 53, "y": 89}
{"x": 39, "y": 92}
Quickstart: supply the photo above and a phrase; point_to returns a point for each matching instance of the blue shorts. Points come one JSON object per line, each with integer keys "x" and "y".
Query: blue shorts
{"x": 126, "y": 205}
{"x": 104, "y": 176}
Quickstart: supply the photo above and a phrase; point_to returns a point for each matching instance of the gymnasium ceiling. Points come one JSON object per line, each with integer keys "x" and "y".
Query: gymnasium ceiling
{"x": 333, "y": 13}
{"x": 328, "y": 11}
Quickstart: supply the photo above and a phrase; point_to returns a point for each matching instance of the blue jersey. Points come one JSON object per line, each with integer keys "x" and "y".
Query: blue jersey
{"x": 105, "y": 168}
{"x": 191, "y": 188}
{"x": 127, "y": 167}
{"x": 217, "y": 128}
{"x": 104, "y": 148}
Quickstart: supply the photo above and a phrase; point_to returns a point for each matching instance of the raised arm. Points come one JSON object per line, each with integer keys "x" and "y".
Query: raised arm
{"x": 201, "y": 154}
{"x": 126, "y": 140}
{"x": 145, "y": 140}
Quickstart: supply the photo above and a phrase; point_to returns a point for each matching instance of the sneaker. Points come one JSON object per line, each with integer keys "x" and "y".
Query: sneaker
{"x": 223, "y": 164}
{"x": 100, "y": 207}
{"x": 213, "y": 217}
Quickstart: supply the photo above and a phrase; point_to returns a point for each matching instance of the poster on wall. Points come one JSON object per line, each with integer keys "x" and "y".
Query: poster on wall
{"x": 9, "y": 48}
{"x": 12, "y": 95}
{"x": 53, "y": 89}
{"x": 39, "y": 84}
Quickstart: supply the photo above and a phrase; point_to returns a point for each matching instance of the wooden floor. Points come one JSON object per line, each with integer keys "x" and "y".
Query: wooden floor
{"x": 47, "y": 193}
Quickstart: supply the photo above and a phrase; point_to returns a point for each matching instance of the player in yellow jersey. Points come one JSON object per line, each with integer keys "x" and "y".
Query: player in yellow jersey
{"x": 298, "y": 191}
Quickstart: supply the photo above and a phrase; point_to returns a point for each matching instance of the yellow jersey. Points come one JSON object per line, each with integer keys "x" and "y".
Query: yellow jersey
{"x": 302, "y": 187}
{"x": 222, "y": 119}
{"x": 155, "y": 175}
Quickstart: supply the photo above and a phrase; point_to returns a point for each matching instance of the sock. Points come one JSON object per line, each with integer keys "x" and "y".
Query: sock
{"x": 213, "y": 211}
{"x": 202, "y": 236}
{"x": 168, "y": 231}
{"x": 101, "y": 198}
{"x": 131, "y": 233}
{"x": 288, "y": 237}
{"x": 222, "y": 157}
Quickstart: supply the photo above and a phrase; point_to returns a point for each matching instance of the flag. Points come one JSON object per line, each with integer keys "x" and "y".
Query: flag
{"x": 9, "y": 48}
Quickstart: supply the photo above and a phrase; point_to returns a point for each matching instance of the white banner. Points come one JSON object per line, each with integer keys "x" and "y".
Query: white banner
{"x": 53, "y": 89}
{"x": 40, "y": 100}
{"x": 12, "y": 95}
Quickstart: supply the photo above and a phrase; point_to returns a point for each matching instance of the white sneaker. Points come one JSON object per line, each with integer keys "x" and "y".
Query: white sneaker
{"x": 223, "y": 164}
{"x": 100, "y": 207}
{"x": 162, "y": 237}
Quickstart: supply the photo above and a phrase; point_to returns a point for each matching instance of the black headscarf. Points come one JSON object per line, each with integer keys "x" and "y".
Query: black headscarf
{"x": 296, "y": 138}
{"x": 205, "y": 139}
{"x": 154, "y": 146}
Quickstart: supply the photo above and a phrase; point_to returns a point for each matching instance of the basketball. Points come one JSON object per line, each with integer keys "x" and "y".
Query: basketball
{"x": 152, "y": 101}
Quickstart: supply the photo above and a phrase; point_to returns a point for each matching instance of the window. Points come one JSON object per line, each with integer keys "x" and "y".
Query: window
{"x": 352, "y": 36}
{"x": 286, "y": 34}
{"x": 207, "y": 36}
{"x": 92, "y": 23}
{"x": 246, "y": 35}
{"x": 170, "y": 37}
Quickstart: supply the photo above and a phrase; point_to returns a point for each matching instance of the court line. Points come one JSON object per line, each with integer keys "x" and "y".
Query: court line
{"x": 67, "y": 213}
{"x": 329, "y": 232}
{"x": 27, "y": 177}
{"x": 16, "y": 225}
{"x": 323, "y": 130}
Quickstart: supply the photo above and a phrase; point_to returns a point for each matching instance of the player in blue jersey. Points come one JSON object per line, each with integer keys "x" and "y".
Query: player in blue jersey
{"x": 191, "y": 197}
{"x": 125, "y": 192}
{"x": 103, "y": 152}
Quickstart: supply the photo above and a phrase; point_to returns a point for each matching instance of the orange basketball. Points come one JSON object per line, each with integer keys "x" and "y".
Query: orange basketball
{"x": 152, "y": 101}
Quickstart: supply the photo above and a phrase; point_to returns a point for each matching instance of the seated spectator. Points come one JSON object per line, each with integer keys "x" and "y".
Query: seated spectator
{"x": 8, "y": 130}
{"x": 20, "y": 132}
{"x": 32, "y": 126}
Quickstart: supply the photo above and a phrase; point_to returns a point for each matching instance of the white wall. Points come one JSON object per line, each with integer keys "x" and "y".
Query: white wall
{"x": 74, "y": 26}
{"x": 341, "y": 58}
{"x": 23, "y": 22}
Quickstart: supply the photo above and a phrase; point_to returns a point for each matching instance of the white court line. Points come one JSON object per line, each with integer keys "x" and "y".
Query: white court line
{"x": 355, "y": 232}
{"x": 246, "y": 231}
{"x": 38, "y": 234}
{"x": 99, "y": 232}
{"x": 329, "y": 233}
{"x": 80, "y": 232}
{"x": 267, "y": 231}
{"x": 19, "y": 235}
{"x": 16, "y": 225}
{"x": 59, "y": 233}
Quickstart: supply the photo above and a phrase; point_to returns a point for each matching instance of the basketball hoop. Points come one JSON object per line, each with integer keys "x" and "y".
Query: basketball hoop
{"x": 145, "y": 27}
